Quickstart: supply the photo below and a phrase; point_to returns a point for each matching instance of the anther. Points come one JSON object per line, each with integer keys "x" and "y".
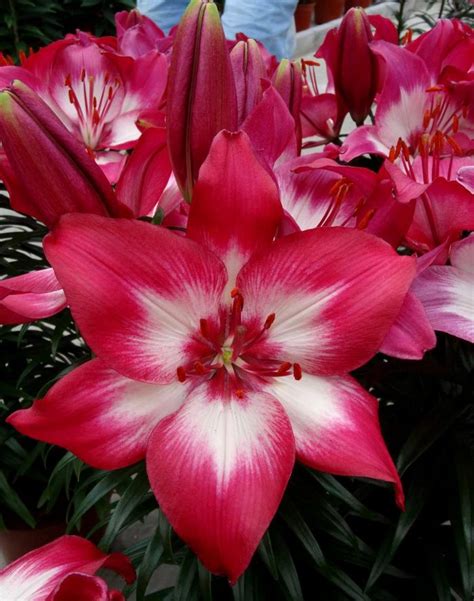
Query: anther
{"x": 239, "y": 393}
{"x": 297, "y": 372}
{"x": 199, "y": 367}
{"x": 83, "y": 74}
{"x": 283, "y": 369}
{"x": 181, "y": 374}
{"x": 269, "y": 321}
{"x": 204, "y": 327}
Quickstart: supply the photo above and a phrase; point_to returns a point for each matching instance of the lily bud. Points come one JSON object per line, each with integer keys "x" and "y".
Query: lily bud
{"x": 249, "y": 70}
{"x": 288, "y": 80}
{"x": 50, "y": 172}
{"x": 201, "y": 93}
{"x": 351, "y": 63}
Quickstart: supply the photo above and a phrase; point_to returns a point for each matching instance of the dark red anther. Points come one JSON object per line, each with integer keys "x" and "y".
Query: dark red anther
{"x": 269, "y": 321}
{"x": 282, "y": 370}
{"x": 83, "y": 74}
{"x": 239, "y": 393}
{"x": 199, "y": 367}
{"x": 181, "y": 374}
{"x": 204, "y": 327}
{"x": 297, "y": 372}
{"x": 68, "y": 80}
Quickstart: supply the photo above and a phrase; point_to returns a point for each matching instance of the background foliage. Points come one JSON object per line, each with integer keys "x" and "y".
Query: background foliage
{"x": 26, "y": 24}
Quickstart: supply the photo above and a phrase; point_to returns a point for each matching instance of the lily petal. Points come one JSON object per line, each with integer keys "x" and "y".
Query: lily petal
{"x": 336, "y": 427}
{"x": 138, "y": 311}
{"x": 234, "y": 214}
{"x": 33, "y": 576}
{"x": 335, "y": 292}
{"x": 100, "y": 416}
{"x": 219, "y": 467}
{"x": 31, "y": 296}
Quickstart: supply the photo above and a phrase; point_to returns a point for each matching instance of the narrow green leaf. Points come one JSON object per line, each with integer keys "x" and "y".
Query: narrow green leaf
{"x": 10, "y": 498}
{"x": 205, "y": 582}
{"x": 290, "y": 583}
{"x": 300, "y": 528}
{"x": 416, "y": 498}
{"x": 462, "y": 516}
{"x": 265, "y": 550}
{"x": 129, "y": 500}
{"x": 186, "y": 588}
{"x": 151, "y": 560}
{"x": 104, "y": 487}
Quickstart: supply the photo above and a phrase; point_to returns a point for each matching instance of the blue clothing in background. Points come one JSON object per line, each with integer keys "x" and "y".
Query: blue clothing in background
{"x": 270, "y": 22}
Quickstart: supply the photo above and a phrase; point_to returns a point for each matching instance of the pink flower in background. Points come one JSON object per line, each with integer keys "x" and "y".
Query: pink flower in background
{"x": 63, "y": 570}
{"x": 222, "y": 355}
{"x": 97, "y": 93}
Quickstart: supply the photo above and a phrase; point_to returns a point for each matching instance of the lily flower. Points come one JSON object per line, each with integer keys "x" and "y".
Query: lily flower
{"x": 97, "y": 93}
{"x": 63, "y": 570}
{"x": 223, "y": 355}
{"x": 447, "y": 291}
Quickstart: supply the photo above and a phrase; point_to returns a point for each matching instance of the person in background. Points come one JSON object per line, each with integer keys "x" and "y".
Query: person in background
{"x": 270, "y": 22}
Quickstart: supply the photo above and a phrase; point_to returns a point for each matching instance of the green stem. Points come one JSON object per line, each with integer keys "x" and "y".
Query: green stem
{"x": 441, "y": 10}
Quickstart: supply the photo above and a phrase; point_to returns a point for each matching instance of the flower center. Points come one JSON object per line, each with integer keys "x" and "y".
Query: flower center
{"x": 230, "y": 349}
{"x": 92, "y": 97}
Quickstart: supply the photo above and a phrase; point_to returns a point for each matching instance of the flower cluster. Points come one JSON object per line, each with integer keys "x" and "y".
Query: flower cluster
{"x": 226, "y": 276}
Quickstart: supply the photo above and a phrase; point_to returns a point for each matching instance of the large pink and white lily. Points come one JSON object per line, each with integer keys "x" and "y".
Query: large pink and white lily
{"x": 223, "y": 355}
{"x": 61, "y": 571}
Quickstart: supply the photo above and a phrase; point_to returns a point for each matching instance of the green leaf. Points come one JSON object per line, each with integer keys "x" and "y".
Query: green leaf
{"x": 290, "y": 583}
{"x": 108, "y": 482}
{"x": 205, "y": 582}
{"x": 300, "y": 528}
{"x": 186, "y": 588}
{"x": 10, "y": 498}
{"x": 416, "y": 498}
{"x": 462, "y": 516}
{"x": 265, "y": 550}
{"x": 128, "y": 501}
{"x": 431, "y": 428}
{"x": 151, "y": 560}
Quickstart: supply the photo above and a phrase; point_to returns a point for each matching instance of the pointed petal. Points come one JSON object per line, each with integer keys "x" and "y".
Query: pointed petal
{"x": 271, "y": 128}
{"x": 411, "y": 334}
{"x": 402, "y": 102}
{"x": 336, "y": 427}
{"x": 33, "y": 576}
{"x": 219, "y": 467}
{"x": 80, "y": 587}
{"x": 31, "y": 296}
{"x": 363, "y": 140}
{"x": 452, "y": 210}
{"x": 100, "y": 416}
{"x": 53, "y": 172}
{"x": 335, "y": 292}
{"x": 236, "y": 209}
{"x": 447, "y": 292}
{"x": 146, "y": 173}
{"x": 137, "y": 310}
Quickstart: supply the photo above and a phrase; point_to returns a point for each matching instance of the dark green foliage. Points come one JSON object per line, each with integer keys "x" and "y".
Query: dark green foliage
{"x": 26, "y": 24}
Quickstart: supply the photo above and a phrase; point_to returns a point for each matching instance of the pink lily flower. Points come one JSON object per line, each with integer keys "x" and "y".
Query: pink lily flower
{"x": 222, "y": 355}
{"x": 63, "y": 570}
{"x": 415, "y": 113}
{"x": 447, "y": 291}
{"x": 97, "y": 93}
